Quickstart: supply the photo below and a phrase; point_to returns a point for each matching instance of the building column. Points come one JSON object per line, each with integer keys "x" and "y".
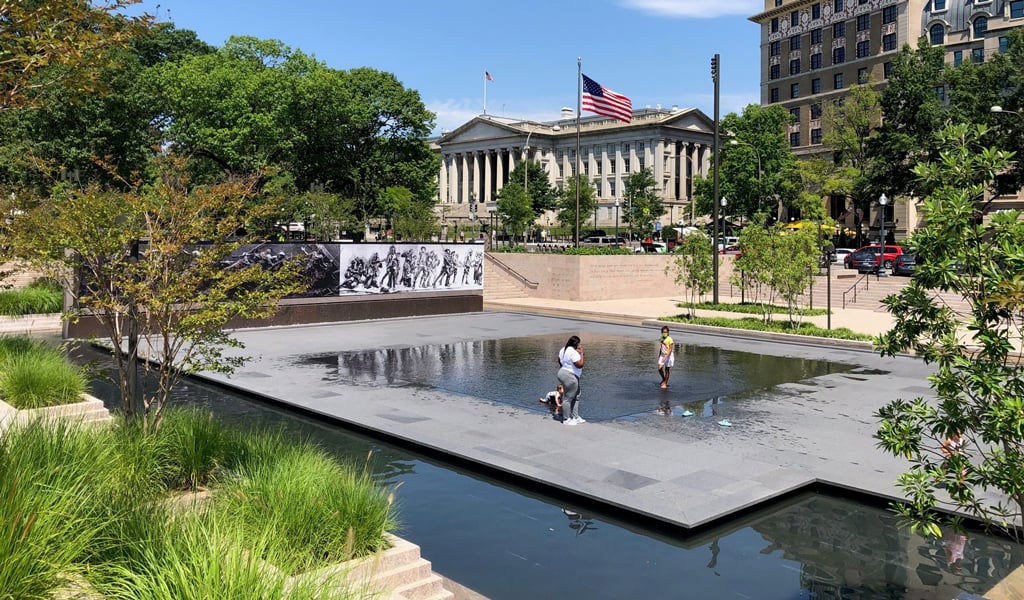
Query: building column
{"x": 442, "y": 181}
{"x": 552, "y": 161}
{"x": 499, "y": 177}
{"x": 475, "y": 190}
{"x": 464, "y": 197}
{"x": 488, "y": 182}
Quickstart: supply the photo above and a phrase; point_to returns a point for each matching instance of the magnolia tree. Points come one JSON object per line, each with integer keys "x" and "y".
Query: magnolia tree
{"x": 148, "y": 265}
{"x": 691, "y": 266}
{"x": 966, "y": 447}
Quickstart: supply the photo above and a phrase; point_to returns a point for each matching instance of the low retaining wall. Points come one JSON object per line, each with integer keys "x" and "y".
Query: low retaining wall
{"x": 598, "y": 277}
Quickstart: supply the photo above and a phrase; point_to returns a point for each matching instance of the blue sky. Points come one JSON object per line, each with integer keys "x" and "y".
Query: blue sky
{"x": 654, "y": 51}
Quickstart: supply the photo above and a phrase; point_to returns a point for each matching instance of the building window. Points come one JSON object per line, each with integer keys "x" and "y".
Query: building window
{"x": 794, "y": 42}
{"x": 958, "y": 58}
{"x": 889, "y": 42}
{"x": 795, "y": 113}
{"x": 980, "y": 27}
{"x": 862, "y": 75}
{"x": 816, "y": 11}
{"x": 816, "y": 60}
{"x": 859, "y": 2}
{"x": 794, "y": 18}
{"x": 816, "y": 111}
{"x": 794, "y": 66}
{"x": 940, "y": 93}
{"x": 863, "y": 48}
{"x": 775, "y": 48}
{"x": 794, "y": 90}
{"x": 774, "y": 74}
{"x": 939, "y": 5}
{"x": 837, "y": 81}
{"x": 816, "y": 135}
{"x": 937, "y": 34}
{"x": 774, "y": 95}
{"x": 816, "y": 34}
{"x": 1004, "y": 44}
{"x": 889, "y": 14}
{"x": 815, "y": 86}
{"x": 863, "y": 22}
{"x": 837, "y": 5}
{"x": 887, "y": 69}
{"x": 775, "y": 25}
{"x": 778, "y": 3}
{"x": 977, "y": 55}
{"x": 839, "y": 29}
{"x": 1017, "y": 9}
{"x": 611, "y": 165}
{"x": 794, "y": 139}
{"x": 838, "y": 55}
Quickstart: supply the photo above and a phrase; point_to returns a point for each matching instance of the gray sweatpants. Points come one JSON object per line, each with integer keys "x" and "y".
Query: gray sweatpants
{"x": 571, "y": 399}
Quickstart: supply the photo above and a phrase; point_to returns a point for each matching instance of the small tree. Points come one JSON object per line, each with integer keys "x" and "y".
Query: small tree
{"x": 410, "y": 219}
{"x": 542, "y": 195}
{"x": 792, "y": 271}
{"x": 515, "y": 209}
{"x": 643, "y": 206}
{"x": 692, "y": 266}
{"x": 753, "y": 266}
{"x": 153, "y": 257}
{"x": 567, "y": 202}
{"x": 971, "y": 440}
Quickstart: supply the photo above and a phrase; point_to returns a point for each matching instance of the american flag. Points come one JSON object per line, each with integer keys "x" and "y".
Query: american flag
{"x": 603, "y": 101}
{"x": 487, "y": 76}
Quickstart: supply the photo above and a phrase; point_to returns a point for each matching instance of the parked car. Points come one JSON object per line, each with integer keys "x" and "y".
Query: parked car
{"x": 888, "y": 259}
{"x": 864, "y": 261}
{"x": 652, "y": 248}
{"x": 905, "y": 264}
{"x": 839, "y": 256}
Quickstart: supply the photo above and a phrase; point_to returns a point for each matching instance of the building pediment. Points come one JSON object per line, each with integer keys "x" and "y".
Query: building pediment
{"x": 479, "y": 129}
{"x": 691, "y": 119}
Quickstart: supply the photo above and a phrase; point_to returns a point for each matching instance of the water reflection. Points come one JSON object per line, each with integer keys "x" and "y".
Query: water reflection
{"x": 620, "y": 378}
{"x": 506, "y": 542}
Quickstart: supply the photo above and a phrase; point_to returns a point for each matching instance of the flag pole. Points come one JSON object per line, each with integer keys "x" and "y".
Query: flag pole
{"x": 485, "y": 92}
{"x": 579, "y": 109}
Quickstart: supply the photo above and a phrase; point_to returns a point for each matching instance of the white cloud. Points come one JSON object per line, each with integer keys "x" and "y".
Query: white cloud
{"x": 700, "y": 9}
{"x": 455, "y": 113}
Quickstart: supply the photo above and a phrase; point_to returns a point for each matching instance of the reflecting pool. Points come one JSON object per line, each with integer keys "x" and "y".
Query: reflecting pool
{"x": 506, "y": 542}
{"x": 620, "y": 379}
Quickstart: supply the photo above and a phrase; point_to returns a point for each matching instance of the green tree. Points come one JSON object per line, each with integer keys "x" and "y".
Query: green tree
{"x": 761, "y": 140}
{"x": 543, "y": 196}
{"x": 59, "y": 43}
{"x": 754, "y": 264}
{"x": 411, "y": 219}
{"x": 567, "y": 203}
{"x": 138, "y": 258}
{"x": 515, "y": 209}
{"x": 978, "y": 383}
{"x": 796, "y": 261}
{"x": 913, "y": 115}
{"x": 640, "y": 198}
{"x": 692, "y": 266}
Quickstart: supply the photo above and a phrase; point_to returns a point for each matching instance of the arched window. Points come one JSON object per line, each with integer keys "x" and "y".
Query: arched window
{"x": 937, "y": 34}
{"x": 980, "y": 27}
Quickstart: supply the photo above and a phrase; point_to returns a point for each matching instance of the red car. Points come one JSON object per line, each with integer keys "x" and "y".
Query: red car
{"x": 888, "y": 258}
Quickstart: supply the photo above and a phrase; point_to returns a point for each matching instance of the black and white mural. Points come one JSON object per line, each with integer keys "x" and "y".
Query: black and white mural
{"x": 347, "y": 269}
{"x": 390, "y": 268}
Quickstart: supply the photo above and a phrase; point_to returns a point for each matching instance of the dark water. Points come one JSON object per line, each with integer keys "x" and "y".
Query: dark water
{"x": 620, "y": 377}
{"x": 505, "y": 542}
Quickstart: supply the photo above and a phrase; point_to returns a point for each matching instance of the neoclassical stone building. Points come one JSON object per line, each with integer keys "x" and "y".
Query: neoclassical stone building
{"x": 477, "y": 157}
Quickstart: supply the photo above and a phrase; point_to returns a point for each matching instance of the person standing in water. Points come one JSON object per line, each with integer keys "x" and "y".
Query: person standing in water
{"x": 666, "y": 357}
{"x": 570, "y": 363}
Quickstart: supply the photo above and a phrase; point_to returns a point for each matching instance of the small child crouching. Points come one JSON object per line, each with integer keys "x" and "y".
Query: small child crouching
{"x": 554, "y": 399}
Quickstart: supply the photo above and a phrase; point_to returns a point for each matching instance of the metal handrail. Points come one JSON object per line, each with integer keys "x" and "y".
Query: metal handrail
{"x": 530, "y": 284}
{"x": 853, "y": 288}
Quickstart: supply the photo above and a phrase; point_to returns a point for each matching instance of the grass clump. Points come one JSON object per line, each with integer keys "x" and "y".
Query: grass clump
{"x": 753, "y": 309}
{"x": 39, "y": 379}
{"x": 808, "y": 329}
{"x": 315, "y": 510}
{"x": 42, "y": 296}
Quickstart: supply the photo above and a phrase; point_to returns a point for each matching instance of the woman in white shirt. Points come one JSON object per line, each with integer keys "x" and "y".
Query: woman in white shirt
{"x": 570, "y": 362}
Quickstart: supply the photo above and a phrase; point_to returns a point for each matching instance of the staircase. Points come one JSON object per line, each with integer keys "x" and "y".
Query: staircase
{"x": 870, "y": 292}
{"x": 499, "y": 283}
{"x": 399, "y": 571}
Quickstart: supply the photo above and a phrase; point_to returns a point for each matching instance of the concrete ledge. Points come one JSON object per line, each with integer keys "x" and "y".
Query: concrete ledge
{"x": 90, "y": 410}
{"x": 791, "y": 338}
{"x": 30, "y": 324}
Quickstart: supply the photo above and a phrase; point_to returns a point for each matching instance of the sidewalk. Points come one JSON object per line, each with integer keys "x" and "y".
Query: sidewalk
{"x": 635, "y": 311}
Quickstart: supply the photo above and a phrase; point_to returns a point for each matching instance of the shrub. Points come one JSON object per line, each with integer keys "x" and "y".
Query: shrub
{"x": 195, "y": 447}
{"x": 316, "y": 511}
{"x": 841, "y": 333}
{"x": 599, "y": 250}
{"x": 40, "y": 297}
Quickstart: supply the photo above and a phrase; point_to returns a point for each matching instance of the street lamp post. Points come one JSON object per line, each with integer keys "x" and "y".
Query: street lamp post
{"x": 1000, "y": 109}
{"x": 616, "y": 222}
{"x": 714, "y": 246}
{"x": 882, "y": 201}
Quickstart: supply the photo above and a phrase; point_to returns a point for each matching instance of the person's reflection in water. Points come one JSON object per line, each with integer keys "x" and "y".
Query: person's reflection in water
{"x": 664, "y": 406}
{"x": 954, "y": 544}
{"x": 578, "y": 522}
{"x": 714, "y": 555}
